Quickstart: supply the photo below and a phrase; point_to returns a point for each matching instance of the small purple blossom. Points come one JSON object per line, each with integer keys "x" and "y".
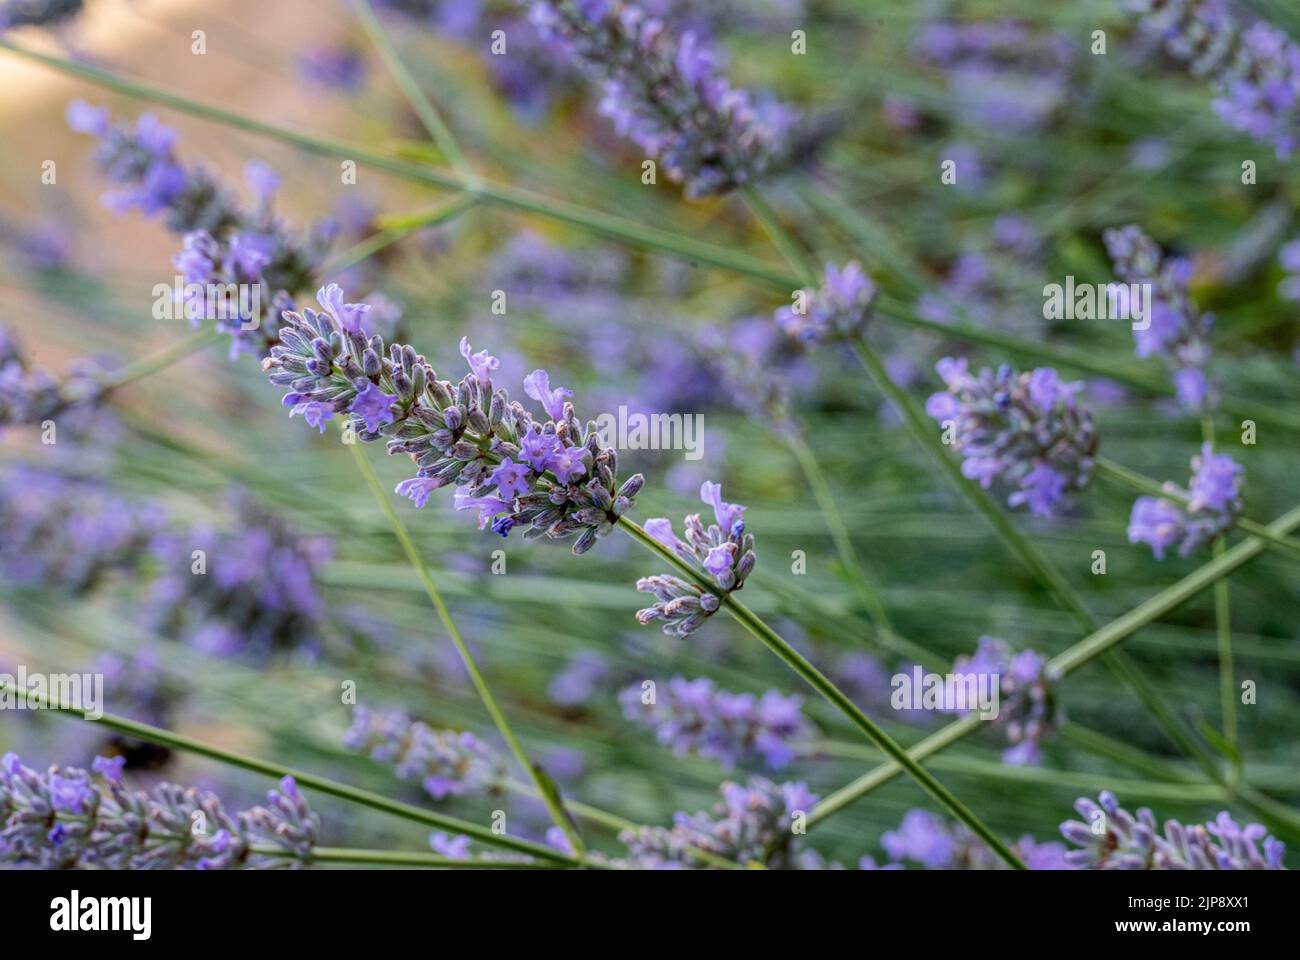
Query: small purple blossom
{"x": 538, "y": 386}
{"x": 373, "y": 406}
{"x": 1194, "y": 517}
{"x": 839, "y": 309}
{"x": 445, "y": 762}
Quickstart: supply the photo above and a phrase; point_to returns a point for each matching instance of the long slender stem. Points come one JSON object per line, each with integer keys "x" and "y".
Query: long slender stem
{"x": 1223, "y": 629}
{"x": 819, "y": 682}
{"x": 147, "y": 366}
{"x": 548, "y": 793}
{"x": 1076, "y": 657}
{"x": 310, "y": 781}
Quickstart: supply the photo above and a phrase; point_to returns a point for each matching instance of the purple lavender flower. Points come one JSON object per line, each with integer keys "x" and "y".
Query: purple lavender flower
{"x": 665, "y": 91}
{"x": 65, "y": 818}
{"x": 447, "y": 763}
{"x": 1028, "y": 711}
{"x": 1207, "y": 510}
{"x": 576, "y": 683}
{"x": 37, "y": 13}
{"x": 727, "y": 556}
{"x": 58, "y": 531}
{"x": 255, "y": 594}
{"x": 1176, "y": 330}
{"x": 751, "y": 823}
{"x": 30, "y": 396}
{"x": 1002, "y": 75}
{"x": 463, "y": 433}
{"x": 840, "y": 308}
{"x": 1111, "y": 838}
{"x": 1255, "y": 69}
{"x": 695, "y": 716}
{"x": 1025, "y": 429}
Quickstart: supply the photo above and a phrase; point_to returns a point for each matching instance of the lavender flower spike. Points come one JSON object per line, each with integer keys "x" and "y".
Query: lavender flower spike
{"x": 1025, "y": 429}
{"x": 447, "y": 763}
{"x": 1111, "y": 838}
{"x": 694, "y": 716}
{"x": 37, "y": 13}
{"x": 551, "y": 476}
{"x": 1176, "y": 331}
{"x": 936, "y": 844}
{"x": 725, "y": 556}
{"x": 665, "y": 91}
{"x": 1207, "y": 510}
{"x": 69, "y": 818}
{"x": 839, "y": 309}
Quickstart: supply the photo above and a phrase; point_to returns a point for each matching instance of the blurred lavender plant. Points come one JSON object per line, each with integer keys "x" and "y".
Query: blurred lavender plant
{"x": 550, "y": 476}
{"x": 839, "y": 309}
{"x": 335, "y": 67}
{"x": 58, "y": 531}
{"x": 1028, "y": 711}
{"x": 937, "y": 844}
{"x": 68, "y": 818}
{"x": 1289, "y": 258}
{"x": 723, "y": 551}
{"x": 751, "y": 823}
{"x": 224, "y": 243}
{"x": 1176, "y": 332}
{"x": 665, "y": 91}
{"x": 1002, "y": 75}
{"x": 447, "y": 763}
{"x": 30, "y": 395}
{"x": 1111, "y": 838}
{"x": 732, "y": 728}
{"x": 1208, "y": 509}
{"x": 1255, "y": 69}
{"x": 255, "y": 593}
{"x": 1025, "y": 429}
{"x": 37, "y": 13}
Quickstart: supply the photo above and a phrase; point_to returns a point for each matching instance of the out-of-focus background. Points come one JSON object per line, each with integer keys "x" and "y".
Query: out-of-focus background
{"x": 1063, "y": 143}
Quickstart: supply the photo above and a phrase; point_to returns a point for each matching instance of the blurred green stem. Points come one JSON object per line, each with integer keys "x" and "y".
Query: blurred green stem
{"x": 546, "y": 790}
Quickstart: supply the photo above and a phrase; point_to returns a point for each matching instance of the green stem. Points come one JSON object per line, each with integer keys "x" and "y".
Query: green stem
{"x": 372, "y": 245}
{"x": 819, "y": 682}
{"x": 420, "y": 103}
{"x": 1082, "y": 653}
{"x": 545, "y": 790}
{"x": 146, "y": 366}
{"x": 309, "y": 781}
{"x": 1223, "y": 629}
{"x": 403, "y": 858}
{"x": 789, "y": 248}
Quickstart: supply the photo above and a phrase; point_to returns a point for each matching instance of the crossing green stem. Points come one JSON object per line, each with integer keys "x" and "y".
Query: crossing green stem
{"x": 545, "y": 791}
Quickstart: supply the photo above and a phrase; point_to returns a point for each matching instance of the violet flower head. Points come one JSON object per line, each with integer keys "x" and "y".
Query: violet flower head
{"x": 1189, "y": 519}
{"x": 753, "y": 822}
{"x": 1111, "y": 838}
{"x": 839, "y": 309}
{"x": 725, "y": 557}
{"x": 446, "y": 763}
{"x": 335, "y": 68}
{"x": 37, "y": 13}
{"x": 937, "y": 844}
{"x": 66, "y": 818}
{"x": 30, "y": 396}
{"x": 552, "y": 477}
{"x": 1176, "y": 331}
{"x": 1026, "y": 430}
{"x": 665, "y": 91}
{"x": 1255, "y": 68}
{"x": 694, "y": 716}
{"x": 1028, "y": 710}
